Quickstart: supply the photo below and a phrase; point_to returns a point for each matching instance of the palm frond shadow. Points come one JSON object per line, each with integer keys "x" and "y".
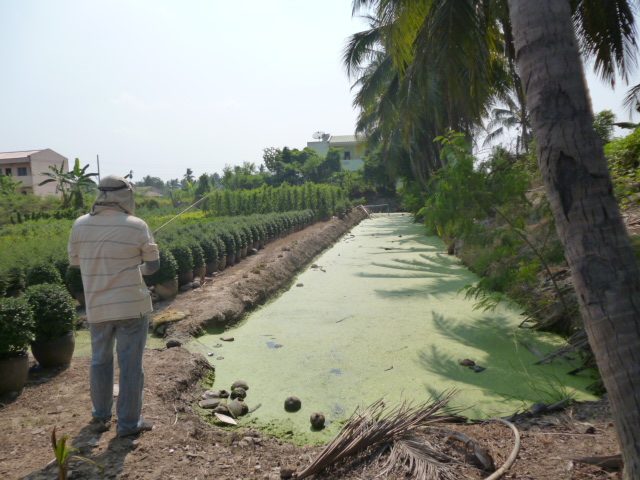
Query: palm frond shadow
{"x": 445, "y": 277}
{"x": 506, "y": 375}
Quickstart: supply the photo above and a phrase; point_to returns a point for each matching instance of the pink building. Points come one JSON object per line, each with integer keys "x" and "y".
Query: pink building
{"x": 26, "y": 167}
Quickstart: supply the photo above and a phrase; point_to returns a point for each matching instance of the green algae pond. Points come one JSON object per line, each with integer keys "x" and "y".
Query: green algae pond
{"x": 379, "y": 315}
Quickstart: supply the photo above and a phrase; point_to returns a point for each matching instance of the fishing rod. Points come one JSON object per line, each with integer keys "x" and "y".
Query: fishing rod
{"x": 184, "y": 211}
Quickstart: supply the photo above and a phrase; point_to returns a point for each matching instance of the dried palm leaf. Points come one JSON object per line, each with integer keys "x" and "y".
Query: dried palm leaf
{"x": 421, "y": 458}
{"x": 378, "y": 424}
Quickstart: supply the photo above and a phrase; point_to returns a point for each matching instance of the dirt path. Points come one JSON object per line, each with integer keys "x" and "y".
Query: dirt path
{"x": 184, "y": 446}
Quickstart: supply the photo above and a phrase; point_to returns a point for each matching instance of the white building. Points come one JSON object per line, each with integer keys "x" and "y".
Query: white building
{"x": 350, "y": 147}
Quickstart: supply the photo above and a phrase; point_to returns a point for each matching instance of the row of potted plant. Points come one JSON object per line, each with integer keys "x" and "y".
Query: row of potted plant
{"x": 191, "y": 251}
{"x": 43, "y": 319}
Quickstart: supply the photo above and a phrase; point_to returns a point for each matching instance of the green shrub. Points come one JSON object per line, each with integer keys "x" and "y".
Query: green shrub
{"x": 198, "y": 255}
{"x": 73, "y": 280}
{"x": 168, "y": 269}
{"x": 16, "y": 327}
{"x": 53, "y": 311}
{"x": 43, "y": 273}
{"x": 183, "y": 257}
{"x": 210, "y": 250}
{"x": 15, "y": 279}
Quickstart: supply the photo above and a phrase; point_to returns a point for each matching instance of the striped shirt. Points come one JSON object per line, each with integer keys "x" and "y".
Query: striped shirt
{"x": 109, "y": 247}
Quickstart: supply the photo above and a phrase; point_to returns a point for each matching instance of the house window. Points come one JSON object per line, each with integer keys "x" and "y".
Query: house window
{"x": 7, "y": 171}
{"x": 347, "y": 155}
{"x": 22, "y": 171}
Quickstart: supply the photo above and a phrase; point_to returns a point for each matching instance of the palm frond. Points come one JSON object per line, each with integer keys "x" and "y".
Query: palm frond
{"x": 378, "y": 424}
{"x": 607, "y": 33}
{"x": 421, "y": 457}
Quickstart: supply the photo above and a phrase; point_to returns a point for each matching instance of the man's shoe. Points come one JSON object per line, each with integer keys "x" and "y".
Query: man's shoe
{"x": 100, "y": 425}
{"x": 145, "y": 426}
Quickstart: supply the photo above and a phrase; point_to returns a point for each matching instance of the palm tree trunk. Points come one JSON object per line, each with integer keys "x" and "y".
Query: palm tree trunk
{"x": 605, "y": 274}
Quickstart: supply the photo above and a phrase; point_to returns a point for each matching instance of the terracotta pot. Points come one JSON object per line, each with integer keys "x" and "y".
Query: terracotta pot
{"x": 231, "y": 259}
{"x": 212, "y": 267}
{"x": 222, "y": 263}
{"x": 243, "y": 252}
{"x": 185, "y": 277}
{"x": 54, "y": 353}
{"x": 238, "y": 255}
{"x": 167, "y": 289}
{"x": 199, "y": 273}
{"x": 13, "y": 373}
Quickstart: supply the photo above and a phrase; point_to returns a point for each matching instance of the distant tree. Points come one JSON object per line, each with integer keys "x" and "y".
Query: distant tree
{"x": 187, "y": 180}
{"x": 603, "y": 125}
{"x": 270, "y": 157}
{"x": 216, "y": 181}
{"x": 374, "y": 172}
{"x": 150, "y": 181}
{"x": 173, "y": 184}
{"x": 244, "y": 177}
{"x": 203, "y": 187}
{"x": 312, "y": 169}
{"x": 332, "y": 163}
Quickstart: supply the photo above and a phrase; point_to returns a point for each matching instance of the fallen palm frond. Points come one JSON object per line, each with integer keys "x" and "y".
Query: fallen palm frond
{"x": 378, "y": 425}
{"x": 420, "y": 456}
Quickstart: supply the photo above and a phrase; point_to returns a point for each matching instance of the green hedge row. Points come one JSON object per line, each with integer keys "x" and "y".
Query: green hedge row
{"x": 36, "y": 253}
{"x": 324, "y": 200}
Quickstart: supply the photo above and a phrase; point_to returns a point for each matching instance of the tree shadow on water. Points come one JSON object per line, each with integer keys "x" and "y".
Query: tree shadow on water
{"x": 443, "y": 277}
{"x": 509, "y": 372}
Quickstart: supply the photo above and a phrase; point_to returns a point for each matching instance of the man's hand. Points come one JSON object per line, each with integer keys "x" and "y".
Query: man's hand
{"x": 150, "y": 267}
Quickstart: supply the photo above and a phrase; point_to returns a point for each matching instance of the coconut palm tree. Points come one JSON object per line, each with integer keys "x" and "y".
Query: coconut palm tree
{"x": 422, "y": 69}
{"x": 604, "y": 271}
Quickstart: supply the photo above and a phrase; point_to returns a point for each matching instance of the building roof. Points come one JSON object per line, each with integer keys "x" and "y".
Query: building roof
{"x": 343, "y": 139}
{"x": 16, "y": 155}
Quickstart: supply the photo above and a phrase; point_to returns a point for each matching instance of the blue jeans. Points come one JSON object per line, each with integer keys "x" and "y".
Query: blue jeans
{"x": 130, "y": 336}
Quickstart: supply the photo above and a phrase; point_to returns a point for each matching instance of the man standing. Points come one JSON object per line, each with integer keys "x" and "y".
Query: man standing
{"x": 110, "y": 245}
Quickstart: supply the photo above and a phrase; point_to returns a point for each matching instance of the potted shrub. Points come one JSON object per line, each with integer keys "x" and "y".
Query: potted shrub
{"x": 210, "y": 249}
{"x": 230, "y": 247}
{"x": 42, "y": 273}
{"x": 184, "y": 259}
{"x": 222, "y": 251}
{"x": 165, "y": 280}
{"x": 54, "y": 317}
{"x": 16, "y": 334}
{"x": 199, "y": 263}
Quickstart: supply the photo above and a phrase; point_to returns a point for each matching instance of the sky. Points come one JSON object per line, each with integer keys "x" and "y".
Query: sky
{"x": 159, "y": 86}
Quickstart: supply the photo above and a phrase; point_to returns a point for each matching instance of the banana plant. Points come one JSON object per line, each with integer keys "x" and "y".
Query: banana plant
{"x": 72, "y": 184}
